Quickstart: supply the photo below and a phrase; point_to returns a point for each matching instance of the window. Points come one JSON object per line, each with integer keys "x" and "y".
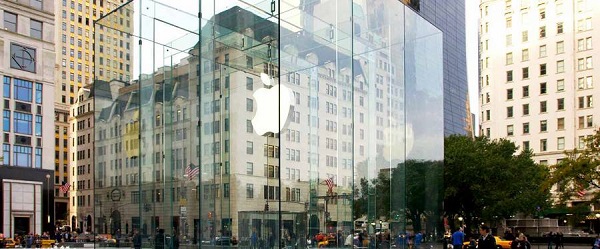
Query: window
{"x": 543, "y": 69}
{"x": 525, "y": 73}
{"x": 10, "y": 21}
{"x": 249, "y": 83}
{"x": 560, "y": 47}
{"x": 509, "y": 112}
{"x": 6, "y": 88}
{"x": 226, "y": 190}
{"x": 35, "y": 29}
{"x": 249, "y": 105}
{"x": 560, "y": 66}
{"x": 581, "y": 102}
{"x": 542, "y": 14}
{"x": 543, "y": 89}
{"x": 543, "y": 144}
{"x": 6, "y": 154}
{"x": 249, "y": 148}
{"x": 525, "y": 55}
{"x": 589, "y": 82}
{"x": 508, "y": 21}
{"x": 581, "y": 122}
{"x": 525, "y": 109}
{"x": 560, "y": 85}
{"x": 559, "y": 28}
{"x": 543, "y": 32}
{"x": 508, "y": 40}
{"x": 525, "y": 91}
{"x": 23, "y": 123}
{"x": 249, "y": 168}
{"x": 509, "y": 58}
{"x": 525, "y": 128}
{"x": 560, "y": 143}
{"x": 543, "y": 125}
{"x": 510, "y": 130}
{"x": 590, "y": 120}
{"x": 509, "y": 76}
{"x": 543, "y": 106}
{"x": 560, "y": 124}
{"x": 581, "y": 142}
{"x": 509, "y": 94}
{"x": 542, "y": 51}
{"x": 6, "y": 120}
{"x": 22, "y": 156}
{"x": 38, "y": 125}
{"x": 589, "y": 101}
{"x": 38, "y": 158}
{"x": 23, "y": 90}
{"x": 22, "y": 58}
{"x": 526, "y": 145}
{"x": 524, "y": 36}
{"x": 560, "y": 104}
{"x": 249, "y": 190}
{"x": 581, "y": 83}
{"x": 249, "y": 127}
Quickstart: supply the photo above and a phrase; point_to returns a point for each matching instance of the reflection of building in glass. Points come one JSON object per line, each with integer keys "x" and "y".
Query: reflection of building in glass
{"x": 27, "y": 71}
{"x": 449, "y": 17}
{"x": 177, "y": 149}
{"x": 74, "y": 157}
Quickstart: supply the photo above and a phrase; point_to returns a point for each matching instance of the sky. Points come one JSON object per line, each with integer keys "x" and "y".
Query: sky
{"x": 472, "y": 23}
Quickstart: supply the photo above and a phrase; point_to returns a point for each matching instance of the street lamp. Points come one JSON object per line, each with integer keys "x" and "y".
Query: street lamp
{"x": 48, "y": 200}
{"x": 460, "y": 219}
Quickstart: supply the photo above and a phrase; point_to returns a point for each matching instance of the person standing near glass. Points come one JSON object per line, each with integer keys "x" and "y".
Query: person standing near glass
{"x": 486, "y": 241}
{"x": 458, "y": 238}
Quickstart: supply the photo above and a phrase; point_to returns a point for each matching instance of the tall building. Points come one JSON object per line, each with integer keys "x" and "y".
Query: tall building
{"x": 27, "y": 69}
{"x": 449, "y": 17}
{"x": 75, "y": 41}
{"x": 537, "y": 74}
{"x": 191, "y": 148}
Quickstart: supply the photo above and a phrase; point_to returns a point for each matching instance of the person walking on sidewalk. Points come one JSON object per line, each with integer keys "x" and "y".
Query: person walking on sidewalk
{"x": 458, "y": 238}
{"x": 486, "y": 241}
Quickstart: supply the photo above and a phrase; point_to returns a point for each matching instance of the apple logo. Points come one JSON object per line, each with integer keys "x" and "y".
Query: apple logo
{"x": 269, "y": 107}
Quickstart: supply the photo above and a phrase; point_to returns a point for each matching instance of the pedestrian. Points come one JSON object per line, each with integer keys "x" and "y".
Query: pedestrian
{"x": 486, "y": 241}
{"x": 550, "y": 238}
{"x": 159, "y": 241}
{"x": 458, "y": 238}
{"x": 2, "y": 242}
{"x": 349, "y": 239}
{"x": 254, "y": 239}
{"x": 418, "y": 240}
{"x": 559, "y": 240}
{"x": 137, "y": 239}
{"x": 401, "y": 241}
{"x": 520, "y": 243}
{"x": 597, "y": 243}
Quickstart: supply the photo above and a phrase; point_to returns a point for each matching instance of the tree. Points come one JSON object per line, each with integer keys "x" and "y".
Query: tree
{"x": 578, "y": 171}
{"x": 488, "y": 180}
{"x": 411, "y": 191}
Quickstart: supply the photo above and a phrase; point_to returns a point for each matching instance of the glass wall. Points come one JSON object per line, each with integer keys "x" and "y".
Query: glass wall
{"x": 264, "y": 123}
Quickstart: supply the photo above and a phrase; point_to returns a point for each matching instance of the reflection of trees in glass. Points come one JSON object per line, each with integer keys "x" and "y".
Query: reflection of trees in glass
{"x": 409, "y": 193}
{"x": 488, "y": 180}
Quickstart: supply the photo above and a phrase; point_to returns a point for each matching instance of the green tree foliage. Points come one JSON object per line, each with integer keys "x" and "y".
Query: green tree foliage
{"x": 578, "y": 171}
{"x": 488, "y": 180}
{"x": 411, "y": 191}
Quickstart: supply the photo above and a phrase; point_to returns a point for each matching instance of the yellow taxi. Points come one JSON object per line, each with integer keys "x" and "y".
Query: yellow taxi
{"x": 500, "y": 243}
{"x": 10, "y": 243}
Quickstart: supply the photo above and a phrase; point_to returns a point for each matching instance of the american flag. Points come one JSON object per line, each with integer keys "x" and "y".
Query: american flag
{"x": 581, "y": 192}
{"x": 330, "y": 184}
{"x": 192, "y": 171}
{"x": 64, "y": 188}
